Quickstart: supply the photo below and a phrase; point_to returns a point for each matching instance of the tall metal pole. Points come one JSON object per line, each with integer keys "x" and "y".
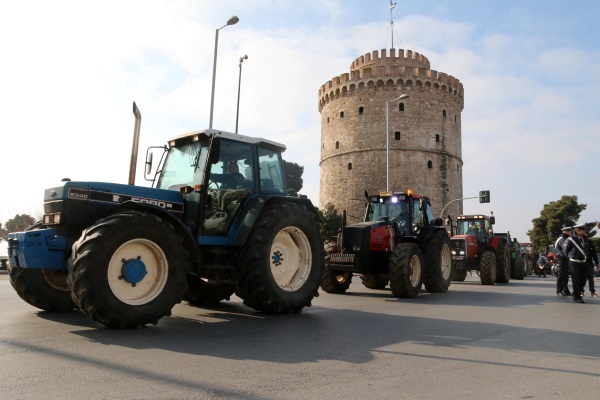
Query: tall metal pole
{"x": 232, "y": 21}
{"x": 237, "y": 114}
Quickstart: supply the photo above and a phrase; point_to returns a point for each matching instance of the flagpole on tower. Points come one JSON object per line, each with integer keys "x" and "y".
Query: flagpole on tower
{"x": 392, "y": 5}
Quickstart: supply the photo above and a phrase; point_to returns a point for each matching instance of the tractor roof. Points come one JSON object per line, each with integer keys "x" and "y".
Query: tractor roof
{"x": 473, "y": 216}
{"x": 206, "y": 133}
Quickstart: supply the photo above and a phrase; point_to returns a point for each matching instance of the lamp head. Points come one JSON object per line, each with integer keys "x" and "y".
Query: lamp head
{"x": 233, "y": 20}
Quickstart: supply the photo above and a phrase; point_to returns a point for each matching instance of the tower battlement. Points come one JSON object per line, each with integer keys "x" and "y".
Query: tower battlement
{"x": 406, "y": 68}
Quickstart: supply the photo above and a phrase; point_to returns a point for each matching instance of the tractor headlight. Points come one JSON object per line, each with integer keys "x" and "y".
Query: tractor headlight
{"x": 356, "y": 248}
{"x": 52, "y": 219}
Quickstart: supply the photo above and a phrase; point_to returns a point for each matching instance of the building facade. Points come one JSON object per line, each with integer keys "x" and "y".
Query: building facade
{"x": 424, "y": 132}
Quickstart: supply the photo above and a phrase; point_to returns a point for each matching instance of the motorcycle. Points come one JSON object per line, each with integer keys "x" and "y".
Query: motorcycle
{"x": 541, "y": 268}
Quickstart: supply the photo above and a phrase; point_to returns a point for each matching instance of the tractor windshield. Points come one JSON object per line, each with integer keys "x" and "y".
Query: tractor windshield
{"x": 476, "y": 227}
{"x": 396, "y": 211}
{"x": 184, "y": 166}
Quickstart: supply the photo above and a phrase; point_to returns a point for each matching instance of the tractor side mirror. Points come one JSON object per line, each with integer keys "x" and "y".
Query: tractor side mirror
{"x": 149, "y": 157}
{"x": 492, "y": 220}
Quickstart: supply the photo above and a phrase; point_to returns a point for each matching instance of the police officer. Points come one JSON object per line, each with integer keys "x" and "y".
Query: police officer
{"x": 577, "y": 260}
{"x": 591, "y": 261}
{"x": 562, "y": 266}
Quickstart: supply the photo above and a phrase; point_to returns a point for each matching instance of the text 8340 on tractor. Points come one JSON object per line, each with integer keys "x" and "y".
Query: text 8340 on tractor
{"x": 397, "y": 242}
{"x": 126, "y": 254}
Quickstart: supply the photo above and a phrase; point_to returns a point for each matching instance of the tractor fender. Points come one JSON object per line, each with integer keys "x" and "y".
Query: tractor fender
{"x": 251, "y": 209}
{"x": 178, "y": 225}
{"x": 425, "y": 233}
{"x": 495, "y": 241}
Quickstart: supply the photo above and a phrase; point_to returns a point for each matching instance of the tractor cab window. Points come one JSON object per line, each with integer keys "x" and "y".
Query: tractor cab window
{"x": 473, "y": 227}
{"x": 396, "y": 211}
{"x": 183, "y": 166}
{"x": 271, "y": 174}
{"x": 230, "y": 181}
{"x": 419, "y": 215}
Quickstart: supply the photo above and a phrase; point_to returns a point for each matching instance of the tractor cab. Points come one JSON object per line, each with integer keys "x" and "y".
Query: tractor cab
{"x": 217, "y": 172}
{"x": 406, "y": 210}
{"x": 479, "y": 226}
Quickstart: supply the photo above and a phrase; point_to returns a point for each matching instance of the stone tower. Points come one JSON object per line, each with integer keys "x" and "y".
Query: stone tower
{"x": 424, "y": 129}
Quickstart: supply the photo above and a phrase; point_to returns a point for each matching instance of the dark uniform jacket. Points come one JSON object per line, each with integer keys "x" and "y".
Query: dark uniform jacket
{"x": 575, "y": 248}
{"x": 560, "y": 245}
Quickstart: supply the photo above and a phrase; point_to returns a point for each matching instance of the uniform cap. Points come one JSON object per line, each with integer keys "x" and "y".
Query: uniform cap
{"x": 580, "y": 226}
{"x": 566, "y": 228}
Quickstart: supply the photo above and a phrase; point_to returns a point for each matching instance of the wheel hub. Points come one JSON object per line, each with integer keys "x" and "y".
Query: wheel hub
{"x": 133, "y": 270}
{"x": 277, "y": 258}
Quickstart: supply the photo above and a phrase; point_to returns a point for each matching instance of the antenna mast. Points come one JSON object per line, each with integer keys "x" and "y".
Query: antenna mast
{"x": 392, "y": 5}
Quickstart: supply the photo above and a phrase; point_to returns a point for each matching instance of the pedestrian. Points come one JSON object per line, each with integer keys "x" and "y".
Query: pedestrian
{"x": 574, "y": 249}
{"x": 591, "y": 261}
{"x": 562, "y": 265}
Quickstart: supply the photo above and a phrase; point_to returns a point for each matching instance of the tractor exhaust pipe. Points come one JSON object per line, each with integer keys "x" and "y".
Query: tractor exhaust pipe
{"x": 136, "y": 143}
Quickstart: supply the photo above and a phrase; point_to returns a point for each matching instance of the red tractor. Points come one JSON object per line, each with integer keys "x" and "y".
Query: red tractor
{"x": 475, "y": 248}
{"x": 399, "y": 242}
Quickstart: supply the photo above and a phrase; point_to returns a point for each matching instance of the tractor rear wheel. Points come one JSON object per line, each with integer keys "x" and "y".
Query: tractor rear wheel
{"x": 487, "y": 268}
{"x": 46, "y": 289}
{"x": 375, "y": 281}
{"x": 503, "y": 263}
{"x": 405, "y": 267}
{"x": 438, "y": 262}
{"x": 458, "y": 275}
{"x": 520, "y": 267}
{"x": 128, "y": 270}
{"x": 201, "y": 292}
{"x": 282, "y": 262}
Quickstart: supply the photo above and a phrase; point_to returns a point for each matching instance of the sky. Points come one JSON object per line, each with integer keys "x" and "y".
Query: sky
{"x": 71, "y": 70}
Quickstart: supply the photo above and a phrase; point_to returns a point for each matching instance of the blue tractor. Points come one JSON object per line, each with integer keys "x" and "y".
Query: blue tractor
{"x": 216, "y": 221}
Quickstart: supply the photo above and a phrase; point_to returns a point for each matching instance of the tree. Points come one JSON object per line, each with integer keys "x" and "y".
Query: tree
{"x": 17, "y": 224}
{"x": 332, "y": 220}
{"x": 293, "y": 177}
{"x": 555, "y": 215}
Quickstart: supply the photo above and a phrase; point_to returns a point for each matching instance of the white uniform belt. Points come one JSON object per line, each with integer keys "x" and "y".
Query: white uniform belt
{"x": 577, "y": 261}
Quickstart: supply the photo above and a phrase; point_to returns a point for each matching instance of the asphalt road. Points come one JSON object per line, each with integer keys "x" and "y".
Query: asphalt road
{"x": 509, "y": 341}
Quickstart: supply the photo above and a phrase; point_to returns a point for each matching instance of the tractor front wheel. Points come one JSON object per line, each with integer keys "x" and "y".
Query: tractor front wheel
{"x": 128, "y": 270}
{"x": 282, "y": 262}
{"x": 458, "y": 275}
{"x": 46, "y": 289}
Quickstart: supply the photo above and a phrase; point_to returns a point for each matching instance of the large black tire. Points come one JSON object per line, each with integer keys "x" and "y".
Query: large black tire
{"x": 502, "y": 263}
{"x": 438, "y": 262}
{"x": 128, "y": 270}
{"x": 46, "y": 289}
{"x": 281, "y": 265}
{"x": 458, "y": 275}
{"x": 406, "y": 266}
{"x": 375, "y": 281}
{"x": 202, "y": 293}
{"x": 520, "y": 267}
{"x": 487, "y": 268}
{"x": 335, "y": 282}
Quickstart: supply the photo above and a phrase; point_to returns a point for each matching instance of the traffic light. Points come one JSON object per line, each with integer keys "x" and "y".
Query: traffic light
{"x": 484, "y": 196}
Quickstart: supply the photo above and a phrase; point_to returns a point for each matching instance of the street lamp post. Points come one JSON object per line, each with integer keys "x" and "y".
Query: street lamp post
{"x": 387, "y": 118}
{"x": 237, "y": 113}
{"x": 232, "y": 21}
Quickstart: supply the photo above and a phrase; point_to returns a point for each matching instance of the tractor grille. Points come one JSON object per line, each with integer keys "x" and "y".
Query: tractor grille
{"x": 339, "y": 258}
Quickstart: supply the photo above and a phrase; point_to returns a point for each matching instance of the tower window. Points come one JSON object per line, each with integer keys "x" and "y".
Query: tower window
{"x": 444, "y": 113}
{"x": 401, "y": 107}
{"x": 327, "y": 119}
{"x": 429, "y": 164}
{"x": 437, "y": 137}
{"x": 349, "y": 166}
{"x": 341, "y": 114}
{"x": 337, "y": 145}
{"x": 396, "y": 135}
{"x": 361, "y": 110}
